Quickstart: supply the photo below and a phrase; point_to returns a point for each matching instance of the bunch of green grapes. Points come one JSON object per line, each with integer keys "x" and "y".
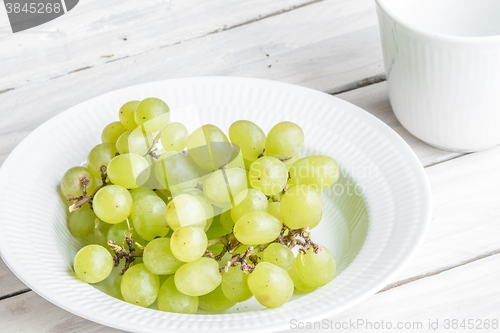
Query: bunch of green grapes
{"x": 199, "y": 220}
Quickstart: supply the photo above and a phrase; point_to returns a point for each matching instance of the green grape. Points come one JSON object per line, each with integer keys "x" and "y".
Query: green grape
{"x": 289, "y": 162}
{"x": 117, "y": 287}
{"x": 268, "y": 175}
{"x": 317, "y": 171}
{"x": 316, "y": 269}
{"x": 279, "y": 255}
{"x": 188, "y": 244}
{"x": 257, "y": 228}
{"x": 127, "y": 112}
{"x": 140, "y": 286}
{"x": 215, "y": 301}
{"x": 112, "y": 204}
{"x": 174, "y": 172}
{"x": 209, "y": 211}
{"x": 216, "y": 230}
{"x": 249, "y": 137}
{"x": 164, "y": 278}
{"x": 284, "y": 140}
{"x": 248, "y": 201}
{"x": 93, "y": 263}
{"x": 185, "y": 210}
{"x": 226, "y": 220}
{"x": 297, "y": 282}
{"x": 273, "y": 208}
{"x": 238, "y": 161}
{"x": 122, "y": 143}
{"x": 216, "y": 188}
{"x": 192, "y": 191}
{"x": 147, "y": 177}
{"x": 174, "y": 137}
{"x": 172, "y": 300}
{"x": 271, "y": 285}
{"x": 159, "y": 259}
{"x": 247, "y": 164}
{"x": 153, "y": 113}
{"x": 216, "y": 249}
{"x": 140, "y": 192}
{"x": 136, "y": 141}
{"x": 225, "y": 258}
{"x": 148, "y": 214}
{"x": 315, "y": 224}
{"x": 125, "y": 169}
{"x": 205, "y": 148}
{"x": 118, "y": 233}
{"x": 101, "y": 234}
{"x": 207, "y": 206}
{"x": 300, "y": 207}
{"x": 164, "y": 195}
{"x": 198, "y": 277}
{"x": 112, "y": 132}
{"x": 235, "y": 284}
{"x": 71, "y": 182}
{"x": 99, "y": 156}
{"x": 82, "y": 222}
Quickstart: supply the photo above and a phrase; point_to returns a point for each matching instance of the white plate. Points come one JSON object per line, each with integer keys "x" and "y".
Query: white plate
{"x": 372, "y": 235}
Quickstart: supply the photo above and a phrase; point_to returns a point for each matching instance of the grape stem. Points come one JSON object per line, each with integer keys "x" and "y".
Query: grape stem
{"x": 152, "y": 149}
{"x": 215, "y": 241}
{"x": 230, "y": 244}
{"x": 83, "y": 199}
{"x": 122, "y": 253}
{"x": 240, "y": 258}
{"x": 291, "y": 240}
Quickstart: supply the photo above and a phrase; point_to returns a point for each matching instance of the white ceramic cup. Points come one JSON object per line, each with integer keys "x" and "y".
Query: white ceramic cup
{"x": 442, "y": 62}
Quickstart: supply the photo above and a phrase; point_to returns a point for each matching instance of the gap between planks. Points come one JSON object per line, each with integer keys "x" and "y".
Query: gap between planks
{"x": 225, "y": 28}
{"x": 437, "y": 271}
{"x": 278, "y": 12}
{"x": 16, "y": 293}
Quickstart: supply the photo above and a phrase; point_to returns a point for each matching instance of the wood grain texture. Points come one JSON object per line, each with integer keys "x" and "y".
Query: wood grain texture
{"x": 31, "y": 313}
{"x": 466, "y": 211}
{"x": 304, "y": 46}
{"x": 9, "y": 283}
{"x": 468, "y": 292}
{"x": 96, "y": 32}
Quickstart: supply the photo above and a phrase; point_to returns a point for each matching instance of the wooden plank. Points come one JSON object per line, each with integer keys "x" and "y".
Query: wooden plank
{"x": 466, "y": 197}
{"x": 467, "y": 292}
{"x": 324, "y": 46}
{"x": 31, "y": 313}
{"x": 9, "y": 283}
{"x": 96, "y": 32}
{"x": 375, "y": 99}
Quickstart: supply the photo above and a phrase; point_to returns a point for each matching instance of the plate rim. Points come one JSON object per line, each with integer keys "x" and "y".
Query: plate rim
{"x": 359, "y": 112}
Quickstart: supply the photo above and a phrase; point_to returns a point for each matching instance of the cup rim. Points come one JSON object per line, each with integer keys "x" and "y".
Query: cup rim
{"x": 434, "y": 35}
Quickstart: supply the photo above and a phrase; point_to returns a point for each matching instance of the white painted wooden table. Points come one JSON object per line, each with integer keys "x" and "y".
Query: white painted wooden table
{"x": 329, "y": 45}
